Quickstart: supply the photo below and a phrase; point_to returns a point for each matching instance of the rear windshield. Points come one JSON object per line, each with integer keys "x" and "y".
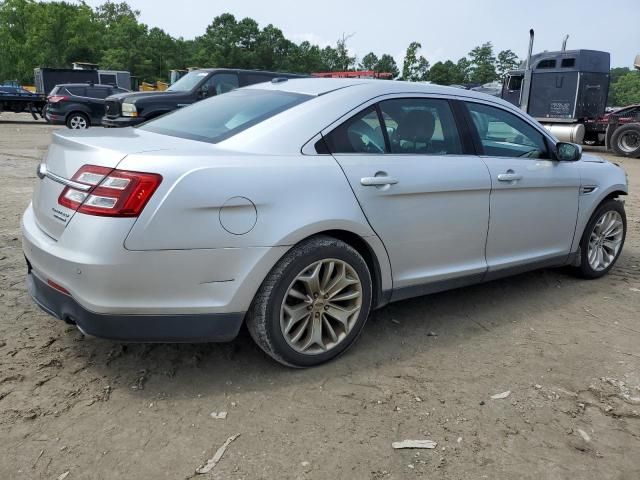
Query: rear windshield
{"x": 218, "y": 118}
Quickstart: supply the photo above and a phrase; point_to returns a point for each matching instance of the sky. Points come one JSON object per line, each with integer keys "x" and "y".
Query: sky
{"x": 447, "y": 29}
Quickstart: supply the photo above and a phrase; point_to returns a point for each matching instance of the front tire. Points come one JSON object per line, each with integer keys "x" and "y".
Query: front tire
{"x": 313, "y": 304}
{"x": 78, "y": 121}
{"x": 602, "y": 240}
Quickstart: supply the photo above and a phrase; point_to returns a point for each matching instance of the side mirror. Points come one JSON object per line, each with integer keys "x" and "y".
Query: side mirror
{"x": 568, "y": 152}
{"x": 204, "y": 91}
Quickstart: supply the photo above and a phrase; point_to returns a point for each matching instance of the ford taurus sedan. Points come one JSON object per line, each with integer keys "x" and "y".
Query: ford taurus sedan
{"x": 298, "y": 206}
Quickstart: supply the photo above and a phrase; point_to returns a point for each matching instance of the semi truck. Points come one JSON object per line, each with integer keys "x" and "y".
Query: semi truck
{"x": 623, "y": 129}
{"x": 561, "y": 89}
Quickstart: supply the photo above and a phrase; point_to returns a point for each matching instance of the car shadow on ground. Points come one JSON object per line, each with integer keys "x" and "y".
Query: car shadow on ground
{"x": 427, "y": 328}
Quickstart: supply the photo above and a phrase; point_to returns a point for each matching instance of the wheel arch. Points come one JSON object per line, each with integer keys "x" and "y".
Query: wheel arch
{"x": 363, "y": 247}
{"x": 612, "y": 192}
{"x": 86, "y": 114}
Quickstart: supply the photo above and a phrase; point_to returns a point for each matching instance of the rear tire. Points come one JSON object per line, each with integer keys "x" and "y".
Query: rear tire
{"x": 313, "y": 304}
{"x": 77, "y": 121}
{"x": 625, "y": 140}
{"x": 596, "y": 237}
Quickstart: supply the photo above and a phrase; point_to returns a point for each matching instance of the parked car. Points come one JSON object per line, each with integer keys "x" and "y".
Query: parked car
{"x": 298, "y": 206}
{"x": 596, "y": 128}
{"x": 133, "y": 108}
{"x": 78, "y": 105}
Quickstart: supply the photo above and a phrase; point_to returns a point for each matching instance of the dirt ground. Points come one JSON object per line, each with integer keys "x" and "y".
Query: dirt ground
{"x": 568, "y": 351}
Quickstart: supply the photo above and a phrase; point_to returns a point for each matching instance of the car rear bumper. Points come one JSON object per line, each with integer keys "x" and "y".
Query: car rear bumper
{"x": 121, "y": 121}
{"x": 89, "y": 261}
{"x": 217, "y": 327}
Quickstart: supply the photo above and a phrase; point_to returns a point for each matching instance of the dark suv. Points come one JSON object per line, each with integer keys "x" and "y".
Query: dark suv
{"x": 129, "y": 109}
{"x": 78, "y": 105}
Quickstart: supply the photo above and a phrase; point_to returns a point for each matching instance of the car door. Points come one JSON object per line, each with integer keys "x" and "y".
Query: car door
{"x": 534, "y": 199}
{"x": 425, "y": 198}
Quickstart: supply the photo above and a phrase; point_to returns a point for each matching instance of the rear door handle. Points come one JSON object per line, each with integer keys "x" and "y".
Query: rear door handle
{"x": 509, "y": 177}
{"x": 377, "y": 181}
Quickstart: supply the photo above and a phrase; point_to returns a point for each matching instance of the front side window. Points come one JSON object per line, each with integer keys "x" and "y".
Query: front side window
{"x": 359, "y": 134}
{"x": 504, "y": 134}
{"x": 220, "y": 83}
{"x": 420, "y": 126}
{"x": 515, "y": 82}
{"x": 221, "y": 117}
{"x": 188, "y": 82}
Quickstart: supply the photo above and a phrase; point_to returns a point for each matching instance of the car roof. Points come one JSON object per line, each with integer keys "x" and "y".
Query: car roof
{"x": 331, "y": 101}
{"x": 99, "y": 85}
{"x": 244, "y": 70}
{"x": 374, "y": 87}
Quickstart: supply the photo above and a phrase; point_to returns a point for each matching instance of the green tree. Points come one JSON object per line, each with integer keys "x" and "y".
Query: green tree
{"x": 463, "y": 66}
{"x": 369, "y": 61}
{"x": 123, "y": 39}
{"x": 445, "y": 73}
{"x": 306, "y": 58}
{"x": 387, "y": 64}
{"x": 483, "y": 61}
{"x": 626, "y": 90}
{"x": 507, "y": 61}
{"x": 415, "y": 67}
{"x": 344, "y": 60}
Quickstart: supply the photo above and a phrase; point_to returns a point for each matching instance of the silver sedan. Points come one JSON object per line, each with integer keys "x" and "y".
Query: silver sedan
{"x": 298, "y": 206}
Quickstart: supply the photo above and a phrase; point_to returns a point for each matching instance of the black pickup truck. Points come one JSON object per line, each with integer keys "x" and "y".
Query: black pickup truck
{"x": 128, "y": 109}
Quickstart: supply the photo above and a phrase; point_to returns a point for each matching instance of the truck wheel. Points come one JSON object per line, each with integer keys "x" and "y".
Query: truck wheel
{"x": 625, "y": 140}
{"x": 77, "y": 120}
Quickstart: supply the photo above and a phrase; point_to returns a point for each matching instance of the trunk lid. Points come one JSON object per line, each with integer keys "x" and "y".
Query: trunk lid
{"x": 70, "y": 150}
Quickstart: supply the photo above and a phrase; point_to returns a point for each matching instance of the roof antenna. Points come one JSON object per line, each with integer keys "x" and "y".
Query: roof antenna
{"x": 564, "y": 42}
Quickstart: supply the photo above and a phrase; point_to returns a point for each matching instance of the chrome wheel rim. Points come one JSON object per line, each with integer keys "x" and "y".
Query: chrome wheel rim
{"x": 77, "y": 122}
{"x": 605, "y": 240}
{"x": 321, "y": 306}
{"x": 629, "y": 142}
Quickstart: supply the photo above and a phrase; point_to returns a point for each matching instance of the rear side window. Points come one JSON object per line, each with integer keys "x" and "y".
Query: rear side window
{"x": 77, "y": 91}
{"x": 568, "y": 62}
{"x": 98, "y": 92}
{"x": 503, "y": 134}
{"x": 219, "y": 118}
{"x": 420, "y": 126}
{"x": 360, "y": 134}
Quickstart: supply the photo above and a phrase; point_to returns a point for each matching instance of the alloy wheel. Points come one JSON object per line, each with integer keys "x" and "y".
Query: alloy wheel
{"x": 321, "y": 306}
{"x": 78, "y": 122}
{"x": 605, "y": 240}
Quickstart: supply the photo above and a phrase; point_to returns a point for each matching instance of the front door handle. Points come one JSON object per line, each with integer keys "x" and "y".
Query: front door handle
{"x": 510, "y": 176}
{"x": 378, "y": 181}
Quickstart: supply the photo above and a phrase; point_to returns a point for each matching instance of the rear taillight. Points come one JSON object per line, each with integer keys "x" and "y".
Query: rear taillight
{"x": 112, "y": 193}
{"x": 57, "y": 98}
